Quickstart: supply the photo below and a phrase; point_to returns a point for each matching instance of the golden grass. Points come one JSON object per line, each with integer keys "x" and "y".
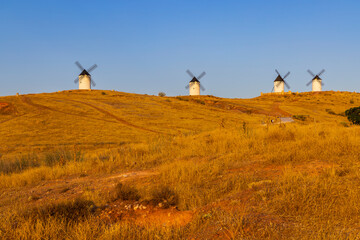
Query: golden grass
{"x": 241, "y": 178}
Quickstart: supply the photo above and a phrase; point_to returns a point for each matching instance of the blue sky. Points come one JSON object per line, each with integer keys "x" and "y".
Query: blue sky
{"x": 143, "y": 46}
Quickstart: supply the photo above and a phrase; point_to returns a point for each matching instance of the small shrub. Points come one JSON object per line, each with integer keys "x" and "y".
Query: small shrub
{"x": 322, "y": 134}
{"x": 329, "y": 111}
{"x": 103, "y": 93}
{"x": 162, "y": 94}
{"x": 124, "y": 192}
{"x": 182, "y": 99}
{"x": 351, "y": 101}
{"x": 353, "y": 115}
{"x": 245, "y": 127}
{"x": 199, "y": 101}
{"x": 165, "y": 196}
{"x": 19, "y": 164}
{"x": 74, "y": 210}
{"x": 344, "y": 124}
{"x": 300, "y": 117}
{"x": 61, "y": 157}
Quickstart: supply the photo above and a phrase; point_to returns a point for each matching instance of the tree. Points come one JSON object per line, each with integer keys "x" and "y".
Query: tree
{"x": 353, "y": 115}
{"x": 162, "y": 94}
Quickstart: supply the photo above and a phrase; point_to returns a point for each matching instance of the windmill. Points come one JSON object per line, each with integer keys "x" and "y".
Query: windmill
{"x": 280, "y": 82}
{"x": 194, "y": 85}
{"x": 316, "y": 81}
{"x": 84, "y": 79}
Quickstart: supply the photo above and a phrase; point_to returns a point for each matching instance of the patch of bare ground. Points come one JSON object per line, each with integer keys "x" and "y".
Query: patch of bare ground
{"x": 145, "y": 214}
{"x": 7, "y": 109}
{"x": 140, "y": 213}
{"x": 70, "y": 188}
{"x": 275, "y": 109}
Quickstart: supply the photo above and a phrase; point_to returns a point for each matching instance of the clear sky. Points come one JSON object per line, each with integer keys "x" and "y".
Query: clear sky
{"x": 145, "y": 46}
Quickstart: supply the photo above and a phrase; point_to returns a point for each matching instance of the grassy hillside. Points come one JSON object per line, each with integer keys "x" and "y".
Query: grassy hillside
{"x": 112, "y": 165}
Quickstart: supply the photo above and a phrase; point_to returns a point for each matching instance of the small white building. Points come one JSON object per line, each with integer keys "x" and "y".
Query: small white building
{"x": 279, "y": 84}
{"x": 84, "y": 80}
{"x": 316, "y": 84}
{"x": 194, "y": 87}
{"x": 316, "y": 81}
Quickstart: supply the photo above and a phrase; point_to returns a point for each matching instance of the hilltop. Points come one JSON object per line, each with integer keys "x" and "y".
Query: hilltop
{"x": 183, "y": 167}
{"x": 97, "y": 118}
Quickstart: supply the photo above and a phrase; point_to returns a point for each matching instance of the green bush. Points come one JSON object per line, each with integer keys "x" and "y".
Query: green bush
{"x": 353, "y": 115}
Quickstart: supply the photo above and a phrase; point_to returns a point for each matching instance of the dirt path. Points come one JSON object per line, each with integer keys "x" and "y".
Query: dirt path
{"x": 41, "y": 108}
{"x": 115, "y": 117}
{"x": 279, "y": 112}
{"x": 7, "y": 120}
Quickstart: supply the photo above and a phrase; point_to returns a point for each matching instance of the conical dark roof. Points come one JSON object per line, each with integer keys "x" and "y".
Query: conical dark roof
{"x": 84, "y": 72}
{"x": 194, "y": 80}
{"x": 317, "y": 77}
{"x": 279, "y": 79}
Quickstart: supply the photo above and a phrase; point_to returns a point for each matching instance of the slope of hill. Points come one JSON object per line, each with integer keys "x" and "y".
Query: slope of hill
{"x": 97, "y": 164}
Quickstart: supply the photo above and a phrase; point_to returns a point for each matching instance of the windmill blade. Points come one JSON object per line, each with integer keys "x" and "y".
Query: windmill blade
{"x": 309, "y": 83}
{"x": 311, "y": 73}
{"x": 272, "y": 90}
{"x": 93, "y": 83}
{"x": 92, "y": 68}
{"x": 187, "y": 87}
{"x": 278, "y": 83}
{"x": 277, "y": 72}
{"x": 202, "y": 87}
{"x": 190, "y": 73}
{"x": 286, "y": 75}
{"x": 287, "y": 85}
{"x": 321, "y": 72}
{"x": 201, "y": 75}
{"x": 79, "y": 65}
{"x": 322, "y": 84}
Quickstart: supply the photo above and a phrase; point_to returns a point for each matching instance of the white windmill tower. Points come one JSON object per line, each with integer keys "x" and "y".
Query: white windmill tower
{"x": 194, "y": 85}
{"x": 84, "y": 79}
{"x": 316, "y": 81}
{"x": 279, "y": 82}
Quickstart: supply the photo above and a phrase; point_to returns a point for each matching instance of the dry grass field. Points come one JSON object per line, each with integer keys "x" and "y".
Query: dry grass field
{"x": 113, "y": 165}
